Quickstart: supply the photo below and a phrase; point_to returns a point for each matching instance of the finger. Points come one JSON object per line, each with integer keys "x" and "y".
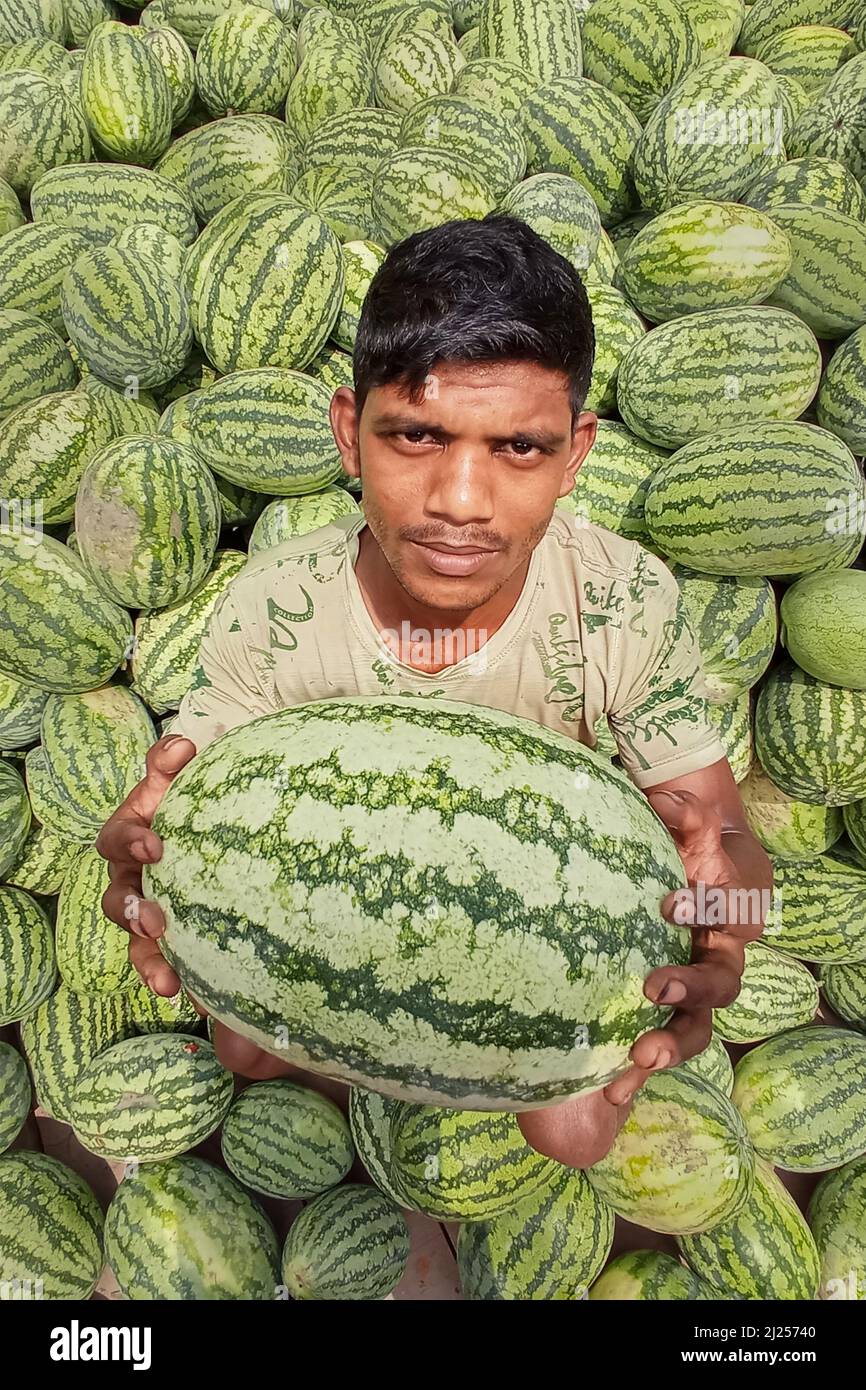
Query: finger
{"x": 719, "y": 913}
{"x": 122, "y": 903}
{"x": 165, "y": 760}
{"x": 623, "y": 1089}
{"x": 128, "y": 840}
{"x": 712, "y": 984}
{"x": 153, "y": 967}
{"x": 687, "y": 1034}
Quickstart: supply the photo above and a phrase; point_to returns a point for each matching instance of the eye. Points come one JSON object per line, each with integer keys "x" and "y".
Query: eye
{"x": 414, "y": 436}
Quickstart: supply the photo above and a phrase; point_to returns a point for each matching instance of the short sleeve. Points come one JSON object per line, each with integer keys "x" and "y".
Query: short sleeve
{"x": 228, "y": 688}
{"x": 658, "y": 706}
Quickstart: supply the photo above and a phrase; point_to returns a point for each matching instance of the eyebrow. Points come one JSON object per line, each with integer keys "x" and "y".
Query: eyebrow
{"x": 543, "y": 439}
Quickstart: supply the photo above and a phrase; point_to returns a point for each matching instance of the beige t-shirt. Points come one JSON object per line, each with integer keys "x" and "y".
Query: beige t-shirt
{"x": 599, "y": 632}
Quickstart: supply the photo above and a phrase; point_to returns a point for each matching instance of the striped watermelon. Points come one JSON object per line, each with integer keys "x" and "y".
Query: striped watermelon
{"x": 370, "y": 1116}
{"x": 34, "y": 361}
{"x": 520, "y": 1056}
{"x": 45, "y": 861}
{"x": 147, "y": 521}
{"x": 191, "y": 18}
{"x": 332, "y": 79}
{"x": 841, "y": 405}
{"x": 682, "y": 1161}
{"x": 156, "y": 1013}
{"x": 297, "y": 516}
{"x": 717, "y": 104}
{"x": 51, "y": 603}
{"x": 240, "y": 154}
{"x": 64, "y": 1035}
{"x": 776, "y": 993}
{"x": 166, "y": 646}
{"x": 784, "y": 825}
{"x": 155, "y": 246}
{"x": 603, "y": 270}
{"x": 94, "y": 746}
{"x": 560, "y": 210}
{"x": 854, "y": 816}
{"x": 341, "y": 198}
{"x": 824, "y": 626}
{"x": 11, "y": 214}
{"x": 245, "y": 62}
{"x": 704, "y": 255}
{"x": 129, "y": 320}
{"x": 26, "y": 954}
{"x": 173, "y": 166}
{"x": 547, "y": 1248}
{"x": 184, "y": 1230}
{"x": 196, "y": 374}
{"x": 125, "y": 95}
{"x": 810, "y": 53}
{"x": 50, "y": 804}
{"x": 766, "y": 18}
{"x": 270, "y": 289}
{"x": 130, "y": 411}
{"x": 348, "y": 1244}
{"x": 836, "y": 1214}
{"x": 495, "y": 82}
{"x": 617, "y": 328}
{"x": 766, "y": 1251}
{"x": 268, "y": 429}
{"x": 14, "y": 1095}
{"x": 319, "y": 25}
{"x": 826, "y": 284}
{"x": 333, "y": 368}
{"x": 827, "y": 765}
{"x": 801, "y": 1097}
{"x": 611, "y": 487}
{"x": 844, "y": 988}
{"x": 286, "y": 1141}
{"x": 91, "y": 951}
{"x": 418, "y": 188}
{"x": 814, "y": 181}
{"x": 362, "y": 259}
{"x": 491, "y": 143}
{"x": 358, "y": 139}
{"x": 414, "y": 65}
{"x": 736, "y": 627}
{"x": 20, "y": 713}
{"x": 649, "y": 1276}
{"x": 42, "y": 128}
{"x": 14, "y": 816}
{"x": 578, "y": 128}
{"x": 717, "y": 370}
{"x": 639, "y": 50}
{"x": 35, "y": 19}
{"x": 539, "y": 36}
{"x": 150, "y": 1098}
{"x": 50, "y": 1229}
{"x": 383, "y": 18}
{"x": 457, "y": 1165}
{"x": 33, "y": 264}
{"x": 792, "y": 98}
{"x": 820, "y": 910}
{"x": 716, "y": 24}
{"x": 174, "y": 57}
{"x": 832, "y": 123}
{"x": 101, "y": 200}
{"x": 45, "y": 446}
{"x": 45, "y": 56}
{"x": 714, "y": 1065}
{"x": 760, "y": 499}
{"x": 733, "y": 724}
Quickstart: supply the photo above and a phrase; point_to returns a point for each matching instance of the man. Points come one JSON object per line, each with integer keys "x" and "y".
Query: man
{"x": 466, "y": 425}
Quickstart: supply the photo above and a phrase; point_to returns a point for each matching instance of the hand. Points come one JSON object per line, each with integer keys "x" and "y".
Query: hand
{"x": 127, "y": 842}
{"x": 713, "y": 979}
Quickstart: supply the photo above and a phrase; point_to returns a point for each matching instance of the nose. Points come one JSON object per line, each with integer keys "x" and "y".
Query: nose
{"x": 461, "y": 487}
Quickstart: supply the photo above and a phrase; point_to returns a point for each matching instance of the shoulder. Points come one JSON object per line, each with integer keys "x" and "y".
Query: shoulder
{"x": 570, "y": 540}
{"x": 313, "y": 558}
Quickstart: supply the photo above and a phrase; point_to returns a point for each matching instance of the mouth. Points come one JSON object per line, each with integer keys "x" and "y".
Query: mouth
{"x": 456, "y": 561}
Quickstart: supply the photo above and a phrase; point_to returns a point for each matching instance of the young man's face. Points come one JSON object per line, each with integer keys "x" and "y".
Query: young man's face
{"x": 460, "y": 487}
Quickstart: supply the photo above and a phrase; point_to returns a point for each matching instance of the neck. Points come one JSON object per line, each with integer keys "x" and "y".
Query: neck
{"x": 428, "y": 639}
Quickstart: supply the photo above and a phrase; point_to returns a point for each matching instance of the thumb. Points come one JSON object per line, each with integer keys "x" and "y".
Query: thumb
{"x": 165, "y": 760}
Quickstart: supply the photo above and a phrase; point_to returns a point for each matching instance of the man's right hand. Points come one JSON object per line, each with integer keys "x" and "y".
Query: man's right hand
{"x": 127, "y": 842}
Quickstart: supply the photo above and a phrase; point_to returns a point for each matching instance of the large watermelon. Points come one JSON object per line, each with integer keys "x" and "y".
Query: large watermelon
{"x": 50, "y": 1230}
{"x": 184, "y": 1230}
{"x": 819, "y": 911}
{"x": 245, "y": 62}
{"x": 801, "y": 1097}
{"x": 538, "y": 36}
{"x": 45, "y": 446}
{"x": 638, "y": 49}
{"x": 824, "y": 626}
{"x": 826, "y": 284}
{"x": 41, "y": 127}
{"x": 776, "y": 993}
{"x": 811, "y": 737}
{"x": 100, "y": 200}
{"x": 125, "y": 95}
{"x": 533, "y": 1025}
{"x": 735, "y": 624}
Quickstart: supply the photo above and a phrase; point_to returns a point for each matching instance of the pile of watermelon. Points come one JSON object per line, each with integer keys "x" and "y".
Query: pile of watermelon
{"x": 194, "y": 197}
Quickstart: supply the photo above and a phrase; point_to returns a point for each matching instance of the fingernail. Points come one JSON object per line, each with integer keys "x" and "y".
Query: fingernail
{"x": 663, "y": 1059}
{"x": 672, "y": 993}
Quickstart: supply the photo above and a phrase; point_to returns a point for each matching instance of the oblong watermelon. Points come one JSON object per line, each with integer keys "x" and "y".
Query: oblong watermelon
{"x": 836, "y": 1216}
{"x": 50, "y": 1229}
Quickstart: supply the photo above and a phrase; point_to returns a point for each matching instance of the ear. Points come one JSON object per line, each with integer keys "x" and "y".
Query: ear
{"x": 345, "y": 425}
{"x": 582, "y": 439}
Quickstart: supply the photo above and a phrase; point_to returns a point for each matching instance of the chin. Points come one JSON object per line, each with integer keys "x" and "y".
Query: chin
{"x": 448, "y": 595}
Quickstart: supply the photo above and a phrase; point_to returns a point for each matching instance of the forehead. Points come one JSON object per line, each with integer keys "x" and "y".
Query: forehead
{"x": 521, "y": 387}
